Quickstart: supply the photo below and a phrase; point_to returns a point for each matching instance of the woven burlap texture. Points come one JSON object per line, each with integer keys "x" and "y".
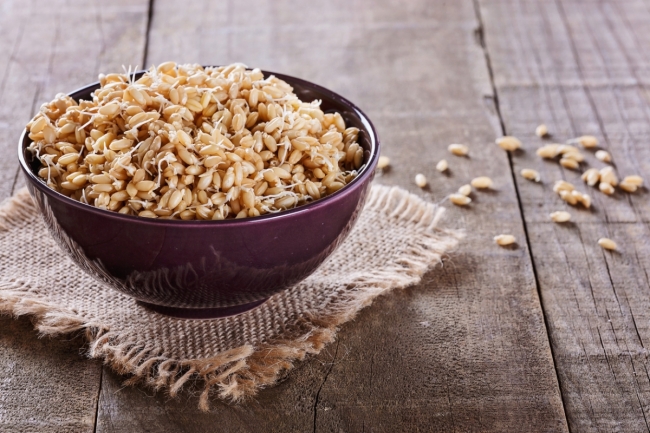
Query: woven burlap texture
{"x": 395, "y": 241}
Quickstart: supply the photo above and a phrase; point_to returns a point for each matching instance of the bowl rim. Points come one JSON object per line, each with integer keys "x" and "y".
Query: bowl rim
{"x": 363, "y": 175}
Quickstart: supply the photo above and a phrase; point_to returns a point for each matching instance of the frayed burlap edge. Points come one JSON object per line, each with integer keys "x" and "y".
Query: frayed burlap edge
{"x": 240, "y": 372}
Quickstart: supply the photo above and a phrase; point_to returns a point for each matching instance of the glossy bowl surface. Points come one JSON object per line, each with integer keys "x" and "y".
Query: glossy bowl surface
{"x": 202, "y": 269}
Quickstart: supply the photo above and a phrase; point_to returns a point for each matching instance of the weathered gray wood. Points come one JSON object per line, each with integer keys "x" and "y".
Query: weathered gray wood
{"x": 45, "y": 385}
{"x": 55, "y": 47}
{"x": 467, "y": 349}
{"x": 45, "y": 48}
{"x": 582, "y": 68}
{"x": 135, "y": 409}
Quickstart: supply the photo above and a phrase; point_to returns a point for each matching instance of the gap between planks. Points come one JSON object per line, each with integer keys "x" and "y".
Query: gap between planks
{"x": 481, "y": 41}
{"x": 145, "y": 53}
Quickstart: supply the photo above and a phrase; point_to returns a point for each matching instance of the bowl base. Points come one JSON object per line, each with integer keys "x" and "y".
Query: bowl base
{"x": 202, "y": 313}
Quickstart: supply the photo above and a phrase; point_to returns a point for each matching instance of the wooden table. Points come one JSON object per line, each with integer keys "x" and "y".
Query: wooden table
{"x": 547, "y": 336}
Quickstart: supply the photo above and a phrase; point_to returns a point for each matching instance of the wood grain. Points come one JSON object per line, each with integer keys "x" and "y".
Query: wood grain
{"x": 45, "y": 48}
{"x": 583, "y": 68}
{"x": 45, "y": 384}
{"x": 467, "y": 349}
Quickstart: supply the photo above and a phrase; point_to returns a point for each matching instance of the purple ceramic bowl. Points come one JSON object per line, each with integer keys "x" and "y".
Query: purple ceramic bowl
{"x": 205, "y": 269}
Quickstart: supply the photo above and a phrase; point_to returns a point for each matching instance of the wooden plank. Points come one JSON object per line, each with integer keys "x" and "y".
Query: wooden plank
{"x": 466, "y": 350}
{"x": 58, "y": 47}
{"x": 128, "y": 409}
{"x": 45, "y": 48}
{"x": 45, "y": 385}
{"x": 582, "y": 68}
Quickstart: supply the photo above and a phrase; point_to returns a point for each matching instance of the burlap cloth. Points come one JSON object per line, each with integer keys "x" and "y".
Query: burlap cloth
{"x": 392, "y": 245}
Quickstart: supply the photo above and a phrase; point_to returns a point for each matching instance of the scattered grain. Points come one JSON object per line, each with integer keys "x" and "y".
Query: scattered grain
{"x": 504, "y": 240}
{"x": 568, "y": 151}
{"x": 560, "y": 216}
{"x": 606, "y": 188}
{"x": 625, "y": 186}
{"x": 530, "y": 174}
{"x": 603, "y": 155}
{"x": 465, "y": 190}
{"x": 569, "y": 163}
{"x": 585, "y": 199}
{"x": 442, "y": 165}
{"x": 549, "y": 151}
{"x": 541, "y": 131}
{"x": 568, "y": 197}
{"x": 586, "y": 141}
{"x": 459, "y": 199}
{"x": 607, "y": 175}
{"x": 634, "y": 180}
{"x": 563, "y": 185}
{"x": 481, "y": 182}
{"x": 591, "y": 176}
{"x": 607, "y": 243}
{"x": 508, "y": 143}
{"x": 420, "y": 180}
{"x": 458, "y": 149}
{"x": 383, "y": 162}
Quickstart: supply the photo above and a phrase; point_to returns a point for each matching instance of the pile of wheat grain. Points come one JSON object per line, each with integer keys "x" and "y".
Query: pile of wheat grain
{"x": 188, "y": 142}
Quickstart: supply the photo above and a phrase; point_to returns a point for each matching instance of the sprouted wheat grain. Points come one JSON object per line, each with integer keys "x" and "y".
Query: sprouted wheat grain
{"x": 530, "y": 174}
{"x": 459, "y": 199}
{"x": 508, "y": 143}
{"x": 607, "y": 243}
{"x": 465, "y": 190}
{"x": 505, "y": 240}
{"x": 603, "y": 155}
{"x": 420, "y": 180}
{"x": 188, "y": 142}
{"x": 560, "y": 216}
{"x": 458, "y": 149}
{"x": 482, "y": 182}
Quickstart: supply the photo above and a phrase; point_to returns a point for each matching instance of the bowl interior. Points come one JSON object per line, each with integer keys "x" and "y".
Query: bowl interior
{"x": 305, "y": 90}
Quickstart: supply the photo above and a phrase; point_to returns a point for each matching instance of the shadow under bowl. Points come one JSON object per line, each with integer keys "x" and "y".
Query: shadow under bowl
{"x": 207, "y": 269}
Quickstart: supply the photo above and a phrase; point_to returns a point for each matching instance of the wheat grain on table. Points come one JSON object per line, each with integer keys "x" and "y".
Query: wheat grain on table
{"x": 581, "y": 69}
{"x": 474, "y": 347}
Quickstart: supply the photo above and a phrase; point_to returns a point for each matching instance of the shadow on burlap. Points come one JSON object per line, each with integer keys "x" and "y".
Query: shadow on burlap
{"x": 395, "y": 241}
